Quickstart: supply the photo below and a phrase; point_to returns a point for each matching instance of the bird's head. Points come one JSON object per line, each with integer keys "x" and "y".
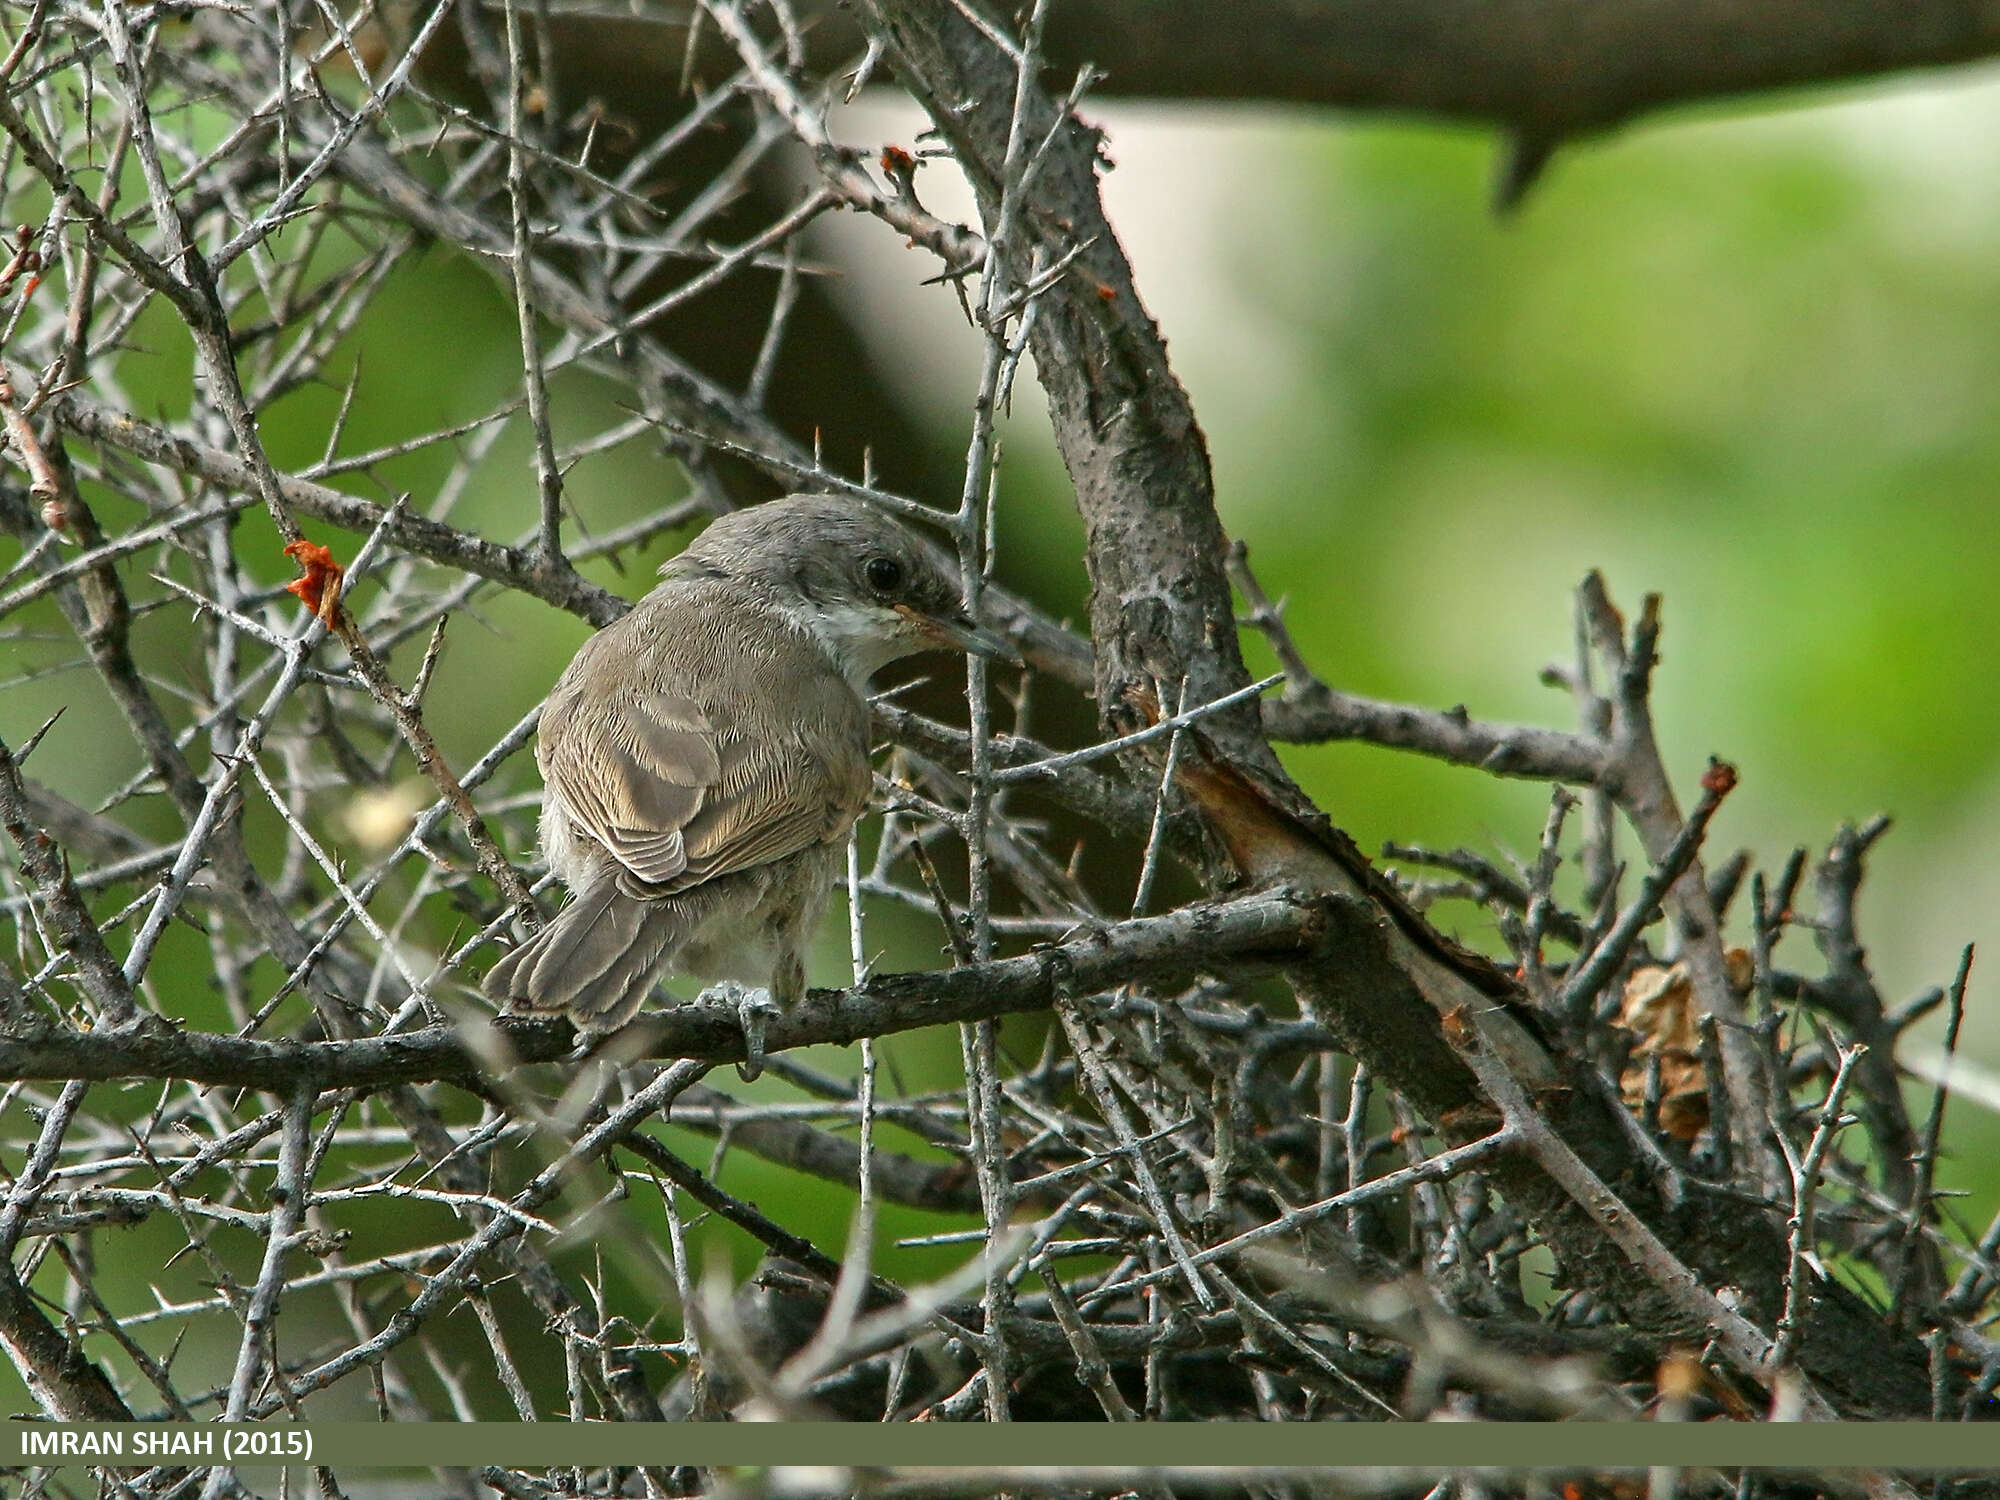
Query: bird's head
{"x": 865, "y": 587}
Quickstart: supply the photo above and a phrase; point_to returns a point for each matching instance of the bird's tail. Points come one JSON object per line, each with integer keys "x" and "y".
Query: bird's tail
{"x": 597, "y": 961}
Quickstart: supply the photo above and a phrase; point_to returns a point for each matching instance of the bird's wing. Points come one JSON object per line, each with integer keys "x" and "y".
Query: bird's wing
{"x": 778, "y": 798}
{"x": 680, "y": 792}
{"x": 633, "y": 774}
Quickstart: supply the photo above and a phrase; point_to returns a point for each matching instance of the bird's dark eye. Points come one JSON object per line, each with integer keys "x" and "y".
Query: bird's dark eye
{"x": 885, "y": 574}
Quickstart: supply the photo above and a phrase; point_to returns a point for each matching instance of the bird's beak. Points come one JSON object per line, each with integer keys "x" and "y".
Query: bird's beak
{"x": 965, "y": 633}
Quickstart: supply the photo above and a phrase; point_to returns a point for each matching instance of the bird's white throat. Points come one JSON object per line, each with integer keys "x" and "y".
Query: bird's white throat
{"x": 861, "y": 638}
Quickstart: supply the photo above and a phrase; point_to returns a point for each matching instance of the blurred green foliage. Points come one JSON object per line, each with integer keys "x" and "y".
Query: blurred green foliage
{"x": 1723, "y": 361}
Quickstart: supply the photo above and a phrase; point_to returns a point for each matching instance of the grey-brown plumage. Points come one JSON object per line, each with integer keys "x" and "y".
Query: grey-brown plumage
{"x": 705, "y": 756}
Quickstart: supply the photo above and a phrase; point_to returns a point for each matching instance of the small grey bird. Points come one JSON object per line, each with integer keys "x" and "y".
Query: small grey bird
{"x": 705, "y": 756}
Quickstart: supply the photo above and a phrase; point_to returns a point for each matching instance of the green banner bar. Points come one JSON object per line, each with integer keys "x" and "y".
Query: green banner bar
{"x": 1155, "y": 1445}
{"x": 1900, "y": 1445}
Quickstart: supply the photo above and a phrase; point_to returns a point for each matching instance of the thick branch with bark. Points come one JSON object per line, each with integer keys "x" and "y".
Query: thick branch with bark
{"x": 1261, "y": 931}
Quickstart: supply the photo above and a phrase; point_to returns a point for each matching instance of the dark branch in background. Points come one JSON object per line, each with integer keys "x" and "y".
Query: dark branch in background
{"x": 1548, "y": 72}
{"x": 1545, "y": 74}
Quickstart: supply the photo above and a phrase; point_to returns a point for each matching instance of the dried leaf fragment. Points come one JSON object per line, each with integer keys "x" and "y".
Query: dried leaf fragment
{"x": 318, "y": 587}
